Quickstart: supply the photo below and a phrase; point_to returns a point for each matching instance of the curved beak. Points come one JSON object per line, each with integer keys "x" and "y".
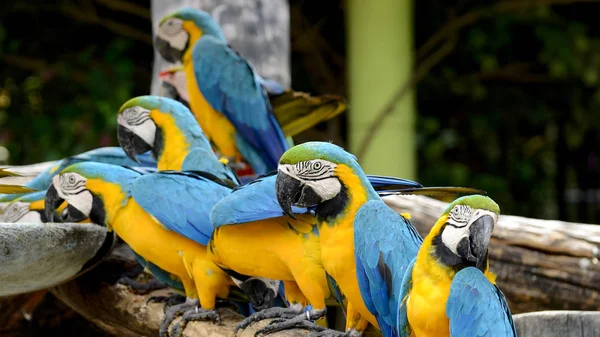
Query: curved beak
{"x": 288, "y": 191}
{"x": 479, "y": 238}
{"x": 167, "y": 52}
{"x": 131, "y": 143}
{"x": 51, "y": 202}
{"x": 259, "y": 294}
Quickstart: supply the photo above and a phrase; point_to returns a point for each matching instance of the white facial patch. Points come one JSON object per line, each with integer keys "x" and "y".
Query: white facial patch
{"x": 15, "y": 212}
{"x": 317, "y": 174}
{"x": 460, "y": 219}
{"x": 31, "y": 217}
{"x": 172, "y": 31}
{"x": 137, "y": 120}
{"x": 71, "y": 187}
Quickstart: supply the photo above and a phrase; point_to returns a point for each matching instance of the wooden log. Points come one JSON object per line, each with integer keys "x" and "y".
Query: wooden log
{"x": 541, "y": 264}
{"x": 558, "y": 324}
{"x": 117, "y": 310}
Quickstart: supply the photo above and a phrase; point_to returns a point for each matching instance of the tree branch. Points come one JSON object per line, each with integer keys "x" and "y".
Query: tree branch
{"x": 115, "y": 309}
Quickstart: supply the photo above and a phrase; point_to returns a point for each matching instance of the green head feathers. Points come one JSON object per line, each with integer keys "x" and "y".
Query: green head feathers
{"x": 318, "y": 150}
{"x": 475, "y": 202}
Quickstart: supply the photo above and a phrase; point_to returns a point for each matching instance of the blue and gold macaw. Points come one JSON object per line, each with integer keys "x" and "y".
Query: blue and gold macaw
{"x": 169, "y": 229}
{"x": 226, "y": 94}
{"x": 168, "y": 129}
{"x": 295, "y": 111}
{"x": 448, "y": 290}
{"x": 323, "y": 175}
{"x": 276, "y": 246}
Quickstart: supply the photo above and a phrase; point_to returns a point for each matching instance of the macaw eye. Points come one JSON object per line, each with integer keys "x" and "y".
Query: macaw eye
{"x": 171, "y": 26}
{"x": 71, "y": 180}
{"x": 15, "y": 208}
{"x": 317, "y": 166}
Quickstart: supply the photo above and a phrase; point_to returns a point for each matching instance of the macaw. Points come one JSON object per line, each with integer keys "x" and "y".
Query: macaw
{"x": 168, "y": 129}
{"x": 448, "y": 289}
{"x": 323, "y": 175}
{"x": 295, "y": 111}
{"x": 169, "y": 229}
{"x": 276, "y": 246}
{"x": 28, "y": 208}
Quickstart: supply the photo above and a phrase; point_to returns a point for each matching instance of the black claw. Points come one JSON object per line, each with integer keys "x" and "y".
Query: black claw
{"x": 171, "y": 314}
{"x": 194, "y": 315}
{"x": 298, "y": 322}
{"x": 275, "y": 312}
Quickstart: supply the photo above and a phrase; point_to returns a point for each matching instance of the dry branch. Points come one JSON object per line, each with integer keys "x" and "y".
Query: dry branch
{"x": 541, "y": 264}
{"x": 117, "y": 310}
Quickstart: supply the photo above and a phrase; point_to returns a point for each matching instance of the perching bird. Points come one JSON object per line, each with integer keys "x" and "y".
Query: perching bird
{"x": 169, "y": 229}
{"x": 324, "y": 175}
{"x": 169, "y": 130}
{"x": 448, "y": 289}
{"x": 274, "y": 246}
{"x": 295, "y": 111}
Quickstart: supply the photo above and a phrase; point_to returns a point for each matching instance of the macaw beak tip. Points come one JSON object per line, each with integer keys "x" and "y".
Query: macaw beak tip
{"x": 51, "y": 202}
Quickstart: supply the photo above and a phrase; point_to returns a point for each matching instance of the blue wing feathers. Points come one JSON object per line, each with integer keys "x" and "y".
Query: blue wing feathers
{"x": 385, "y": 244}
{"x": 183, "y": 204}
{"x": 476, "y": 307}
{"x": 232, "y": 87}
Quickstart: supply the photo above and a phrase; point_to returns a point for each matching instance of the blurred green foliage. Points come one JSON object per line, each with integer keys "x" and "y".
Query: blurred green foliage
{"x": 513, "y": 109}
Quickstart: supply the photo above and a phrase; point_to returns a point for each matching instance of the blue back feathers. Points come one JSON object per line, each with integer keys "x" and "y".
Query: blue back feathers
{"x": 180, "y": 201}
{"x": 385, "y": 244}
{"x": 476, "y": 307}
{"x": 232, "y": 87}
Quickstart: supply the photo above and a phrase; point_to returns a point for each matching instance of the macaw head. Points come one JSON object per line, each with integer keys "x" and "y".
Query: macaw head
{"x": 462, "y": 234}
{"x": 175, "y": 77}
{"x": 179, "y": 31}
{"x": 27, "y": 208}
{"x": 92, "y": 190}
{"x": 319, "y": 174}
{"x": 150, "y": 122}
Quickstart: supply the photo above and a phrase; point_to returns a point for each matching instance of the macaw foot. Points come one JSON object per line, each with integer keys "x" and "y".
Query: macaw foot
{"x": 169, "y": 301}
{"x": 139, "y": 287}
{"x": 304, "y": 321}
{"x": 275, "y": 312}
{"x": 173, "y": 312}
{"x": 194, "y": 315}
{"x": 335, "y": 333}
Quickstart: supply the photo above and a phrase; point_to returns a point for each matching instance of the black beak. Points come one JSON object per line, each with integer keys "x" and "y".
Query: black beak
{"x": 131, "y": 143}
{"x": 260, "y": 295}
{"x": 479, "y": 238}
{"x": 51, "y": 202}
{"x": 288, "y": 191}
{"x": 167, "y": 52}
{"x": 73, "y": 215}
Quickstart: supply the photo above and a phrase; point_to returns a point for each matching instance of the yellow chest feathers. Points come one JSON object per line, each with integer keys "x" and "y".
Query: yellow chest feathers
{"x": 175, "y": 145}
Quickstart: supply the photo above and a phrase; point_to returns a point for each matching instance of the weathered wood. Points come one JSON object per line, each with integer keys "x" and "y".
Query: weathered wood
{"x": 558, "y": 324}
{"x": 258, "y": 30}
{"x": 541, "y": 264}
{"x": 117, "y": 310}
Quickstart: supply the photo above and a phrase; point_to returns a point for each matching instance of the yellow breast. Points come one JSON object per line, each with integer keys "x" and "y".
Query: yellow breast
{"x": 271, "y": 248}
{"x": 176, "y": 146}
{"x": 215, "y": 125}
{"x": 166, "y": 249}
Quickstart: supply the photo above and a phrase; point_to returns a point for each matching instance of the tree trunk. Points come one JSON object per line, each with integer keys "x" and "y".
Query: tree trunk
{"x": 541, "y": 264}
{"x": 258, "y": 29}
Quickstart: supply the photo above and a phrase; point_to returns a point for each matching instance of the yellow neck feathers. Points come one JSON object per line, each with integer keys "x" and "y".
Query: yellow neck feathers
{"x": 176, "y": 147}
{"x": 111, "y": 194}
